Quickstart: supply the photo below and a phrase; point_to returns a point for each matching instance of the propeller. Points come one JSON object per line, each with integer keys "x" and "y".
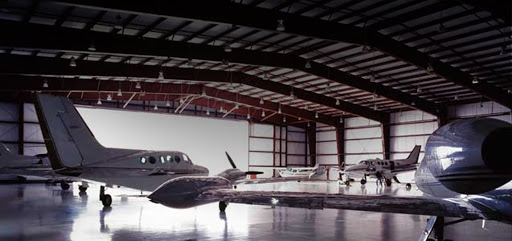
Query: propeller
{"x": 234, "y": 166}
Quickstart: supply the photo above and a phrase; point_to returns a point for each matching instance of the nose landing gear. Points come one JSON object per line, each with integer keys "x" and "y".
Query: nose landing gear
{"x": 105, "y": 199}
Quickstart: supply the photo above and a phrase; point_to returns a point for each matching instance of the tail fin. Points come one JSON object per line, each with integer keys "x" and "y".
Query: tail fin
{"x": 69, "y": 141}
{"x": 415, "y": 154}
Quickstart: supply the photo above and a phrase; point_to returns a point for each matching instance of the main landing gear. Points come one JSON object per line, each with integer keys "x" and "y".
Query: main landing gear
{"x": 388, "y": 182}
{"x": 64, "y": 185}
{"x": 222, "y": 206}
{"x": 83, "y": 187}
{"x": 435, "y": 227}
{"x": 363, "y": 181}
{"x": 105, "y": 199}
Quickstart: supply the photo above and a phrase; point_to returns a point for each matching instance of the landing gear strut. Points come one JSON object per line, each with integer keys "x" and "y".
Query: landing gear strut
{"x": 363, "y": 181}
{"x": 64, "y": 185}
{"x": 105, "y": 199}
{"x": 435, "y": 224}
{"x": 222, "y": 206}
{"x": 83, "y": 187}
{"x": 388, "y": 182}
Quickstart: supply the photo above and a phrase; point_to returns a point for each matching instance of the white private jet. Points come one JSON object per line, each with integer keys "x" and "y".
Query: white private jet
{"x": 301, "y": 172}
{"x": 387, "y": 168}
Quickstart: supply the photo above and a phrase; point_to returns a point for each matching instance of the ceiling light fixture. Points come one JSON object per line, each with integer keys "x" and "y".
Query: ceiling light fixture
{"x": 118, "y": 22}
{"x": 284, "y": 119}
{"x": 365, "y": 49}
{"x": 168, "y": 104}
{"x": 292, "y": 95}
{"x": 316, "y": 114}
{"x": 99, "y": 101}
{"x": 279, "y": 110}
{"x": 109, "y": 97}
{"x": 413, "y": 103}
{"x": 265, "y": 76}
{"x": 261, "y": 101}
{"x": 161, "y": 75}
{"x": 72, "y": 62}
{"x": 374, "y": 106}
{"x": 263, "y": 114}
{"x": 227, "y": 49}
{"x": 137, "y": 85}
{"x": 248, "y": 116}
{"x": 181, "y": 102}
{"x": 92, "y": 47}
{"x": 341, "y": 119}
{"x": 337, "y": 101}
{"x": 372, "y": 78}
{"x": 280, "y": 25}
{"x": 456, "y": 97}
{"x": 419, "y": 90}
{"x": 45, "y": 84}
{"x": 119, "y": 92}
{"x": 155, "y": 108}
{"x": 430, "y": 68}
{"x": 207, "y": 112}
{"x": 308, "y": 64}
{"x": 475, "y": 80}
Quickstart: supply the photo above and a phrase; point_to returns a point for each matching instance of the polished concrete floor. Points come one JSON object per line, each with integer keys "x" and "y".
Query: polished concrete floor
{"x": 45, "y": 212}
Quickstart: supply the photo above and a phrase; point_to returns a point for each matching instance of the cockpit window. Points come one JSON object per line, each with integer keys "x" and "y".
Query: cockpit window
{"x": 177, "y": 159}
{"x": 152, "y": 160}
{"x": 143, "y": 160}
{"x": 169, "y": 158}
{"x": 162, "y": 159}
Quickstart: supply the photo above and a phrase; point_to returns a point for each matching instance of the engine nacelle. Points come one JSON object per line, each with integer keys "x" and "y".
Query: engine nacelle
{"x": 471, "y": 156}
{"x": 183, "y": 192}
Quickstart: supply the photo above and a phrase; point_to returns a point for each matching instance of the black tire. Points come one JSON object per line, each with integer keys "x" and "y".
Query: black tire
{"x": 363, "y": 181}
{"x": 388, "y": 182}
{"x": 408, "y": 186}
{"x": 64, "y": 186}
{"x": 107, "y": 200}
{"x": 82, "y": 188}
{"x": 222, "y": 206}
{"x": 347, "y": 183}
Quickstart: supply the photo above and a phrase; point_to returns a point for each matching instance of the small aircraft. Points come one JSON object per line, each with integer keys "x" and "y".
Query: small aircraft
{"x": 75, "y": 152}
{"x": 301, "y": 172}
{"x": 16, "y": 168}
{"x": 387, "y": 168}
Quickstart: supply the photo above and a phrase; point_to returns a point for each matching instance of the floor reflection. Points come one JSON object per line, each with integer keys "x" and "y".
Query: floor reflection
{"x": 44, "y": 212}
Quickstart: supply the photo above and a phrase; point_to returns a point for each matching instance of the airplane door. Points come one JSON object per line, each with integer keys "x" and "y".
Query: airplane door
{"x": 392, "y": 165}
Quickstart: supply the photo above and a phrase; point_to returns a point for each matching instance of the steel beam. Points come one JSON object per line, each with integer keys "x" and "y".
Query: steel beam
{"x": 225, "y": 12}
{"x": 58, "y": 67}
{"x": 153, "y": 91}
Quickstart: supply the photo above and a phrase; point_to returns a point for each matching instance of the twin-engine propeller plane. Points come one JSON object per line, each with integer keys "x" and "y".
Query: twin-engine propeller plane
{"x": 15, "y": 167}
{"x": 465, "y": 173}
{"x": 388, "y": 169}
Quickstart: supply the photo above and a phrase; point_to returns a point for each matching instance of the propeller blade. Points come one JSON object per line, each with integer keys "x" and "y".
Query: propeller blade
{"x": 230, "y": 160}
{"x": 396, "y": 179}
{"x": 253, "y": 173}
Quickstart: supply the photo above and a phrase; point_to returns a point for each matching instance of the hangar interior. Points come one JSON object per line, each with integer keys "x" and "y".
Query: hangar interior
{"x": 331, "y": 82}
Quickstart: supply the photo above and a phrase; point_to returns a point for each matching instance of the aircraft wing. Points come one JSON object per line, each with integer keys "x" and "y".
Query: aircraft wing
{"x": 377, "y": 203}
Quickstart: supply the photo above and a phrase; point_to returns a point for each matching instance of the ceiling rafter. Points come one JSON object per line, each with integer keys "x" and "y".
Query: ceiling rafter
{"x": 44, "y": 66}
{"x": 24, "y": 83}
{"x": 66, "y": 40}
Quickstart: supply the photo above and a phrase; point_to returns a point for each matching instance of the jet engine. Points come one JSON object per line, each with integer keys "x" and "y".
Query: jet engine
{"x": 471, "y": 156}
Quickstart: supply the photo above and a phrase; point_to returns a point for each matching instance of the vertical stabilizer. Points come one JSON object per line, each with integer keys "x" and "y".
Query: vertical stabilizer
{"x": 69, "y": 141}
{"x": 415, "y": 154}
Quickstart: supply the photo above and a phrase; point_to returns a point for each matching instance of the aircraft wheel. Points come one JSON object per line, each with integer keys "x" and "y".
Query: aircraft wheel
{"x": 408, "y": 186}
{"x": 222, "y": 206}
{"x": 388, "y": 182}
{"x": 347, "y": 183}
{"x": 64, "y": 185}
{"x": 363, "y": 181}
{"x": 107, "y": 200}
{"x": 82, "y": 188}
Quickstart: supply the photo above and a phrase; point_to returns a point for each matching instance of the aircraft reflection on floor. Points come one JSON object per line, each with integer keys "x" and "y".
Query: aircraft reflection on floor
{"x": 44, "y": 212}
